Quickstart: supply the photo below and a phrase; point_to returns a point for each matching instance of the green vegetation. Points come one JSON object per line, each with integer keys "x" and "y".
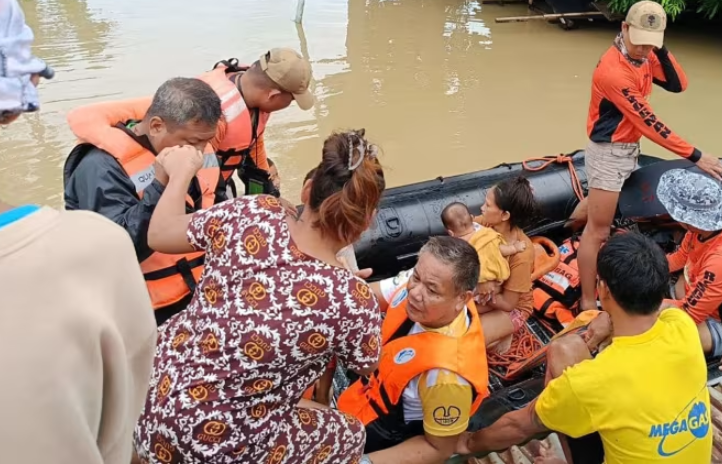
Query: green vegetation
{"x": 708, "y": 8}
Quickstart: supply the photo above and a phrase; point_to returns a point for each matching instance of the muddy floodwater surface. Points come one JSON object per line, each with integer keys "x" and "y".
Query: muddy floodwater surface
{"x": 437, "y": 84}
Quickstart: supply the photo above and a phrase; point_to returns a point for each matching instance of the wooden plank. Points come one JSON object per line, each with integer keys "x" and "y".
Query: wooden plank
{"x": 549, "y": 17}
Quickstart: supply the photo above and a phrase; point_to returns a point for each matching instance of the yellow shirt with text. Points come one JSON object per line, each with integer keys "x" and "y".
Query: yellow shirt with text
{"x": 646, "y": 395}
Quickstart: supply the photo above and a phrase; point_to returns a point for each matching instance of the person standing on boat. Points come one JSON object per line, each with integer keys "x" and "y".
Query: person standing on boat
{"x": 433, "y": 373}
{"x": 114, "y": 171}
{"x": 619, "y": 115}
{"x": 695, "y": 201}
{"x": 76, "y": 323}
{"x": 645, "y": 393}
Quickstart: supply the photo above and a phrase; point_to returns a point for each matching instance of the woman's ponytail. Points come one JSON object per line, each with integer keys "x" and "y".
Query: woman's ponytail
{"x": 347, "y": 186}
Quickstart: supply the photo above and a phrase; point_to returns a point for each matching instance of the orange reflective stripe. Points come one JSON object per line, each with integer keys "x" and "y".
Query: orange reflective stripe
{"x": 562, "y": 284}
{"x": 405, "y": 357}
{"x": 94, "y": 125}
{"x": 235, "y": 136}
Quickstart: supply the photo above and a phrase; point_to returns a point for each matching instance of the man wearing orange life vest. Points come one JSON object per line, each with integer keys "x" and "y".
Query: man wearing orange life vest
{"x": 249, "y": 94}
{"x": 113, "y": 171}
{"x": 619, "y": 115}
{"x": 695, "y": 201}
{"x": 433, "y": 373}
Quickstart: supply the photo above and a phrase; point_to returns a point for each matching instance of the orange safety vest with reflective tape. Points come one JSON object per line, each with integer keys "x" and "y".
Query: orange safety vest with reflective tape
{"x": 404, "y": 357}
{"x": 169, "y": 278}
{"x": 238, "y": 131}
{"x": 562, "y": 284}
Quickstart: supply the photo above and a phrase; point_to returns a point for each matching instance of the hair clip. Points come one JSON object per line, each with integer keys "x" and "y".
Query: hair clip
{"x": 361, "y": 147}
{"x": 365, "y": 149}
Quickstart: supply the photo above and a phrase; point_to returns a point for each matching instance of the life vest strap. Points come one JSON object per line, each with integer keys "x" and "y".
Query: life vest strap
{"x": 182, "y": 267}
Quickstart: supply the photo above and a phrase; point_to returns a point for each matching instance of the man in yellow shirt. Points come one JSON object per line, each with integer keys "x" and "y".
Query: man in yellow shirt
{"x": 432, "y": 375}
{"x": 645, "y": 393}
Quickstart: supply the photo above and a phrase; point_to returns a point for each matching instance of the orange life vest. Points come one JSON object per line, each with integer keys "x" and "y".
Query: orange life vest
{"x": 547, "y": 306}
{"x": 562, "y": 284}
{"x": 403, "y": 357}
{"x": 240, "y": 128}
{"x": 170, "y": 278}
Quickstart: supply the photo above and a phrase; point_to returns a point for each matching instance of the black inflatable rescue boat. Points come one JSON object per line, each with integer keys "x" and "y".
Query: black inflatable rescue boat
{"x": 410, "y": 214}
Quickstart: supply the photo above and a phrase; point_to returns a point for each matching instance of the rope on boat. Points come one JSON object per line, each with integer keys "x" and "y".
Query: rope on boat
{"x": 524, "y": 344}
{"x": 560, "y": 159}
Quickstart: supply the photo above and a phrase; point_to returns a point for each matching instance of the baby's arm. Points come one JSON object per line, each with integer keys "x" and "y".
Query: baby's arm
{"x": 514, "y": 248}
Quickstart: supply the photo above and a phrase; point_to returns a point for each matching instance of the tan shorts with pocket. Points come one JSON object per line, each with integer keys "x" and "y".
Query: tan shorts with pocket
{"x": 608, "y": 165}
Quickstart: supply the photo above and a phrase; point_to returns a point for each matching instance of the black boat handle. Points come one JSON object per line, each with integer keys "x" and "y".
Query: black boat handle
{"x": 516, "y": 394}
{"x": 393, "y": 226}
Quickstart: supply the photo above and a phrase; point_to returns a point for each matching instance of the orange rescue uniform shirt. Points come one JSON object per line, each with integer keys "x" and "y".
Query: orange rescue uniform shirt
{"x": 701, "y": 261}
{"x": 619, "y": 111}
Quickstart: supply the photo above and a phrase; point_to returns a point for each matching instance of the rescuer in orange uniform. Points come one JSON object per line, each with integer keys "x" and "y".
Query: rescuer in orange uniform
{"x": 249, "y": 94}
{"x": 433, "y": 373}
{"x": 695, "y": 201}
{"x": 619, "y": 115}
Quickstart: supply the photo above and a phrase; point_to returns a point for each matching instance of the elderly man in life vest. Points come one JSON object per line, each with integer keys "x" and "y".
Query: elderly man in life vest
{"x": 433, "y": 373}
{"x": 113, "y": 171}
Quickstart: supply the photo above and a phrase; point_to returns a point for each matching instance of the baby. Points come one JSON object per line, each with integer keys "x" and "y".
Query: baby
{"x": 489, "y": 244}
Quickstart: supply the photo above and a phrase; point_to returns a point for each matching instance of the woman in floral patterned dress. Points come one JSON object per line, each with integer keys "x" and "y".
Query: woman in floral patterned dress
{"x": 272, "y": 307}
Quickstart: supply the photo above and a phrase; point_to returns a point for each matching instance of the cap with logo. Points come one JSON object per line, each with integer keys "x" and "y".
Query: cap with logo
{"x": 647, "y": 21}
{"x": 291, "y": 72}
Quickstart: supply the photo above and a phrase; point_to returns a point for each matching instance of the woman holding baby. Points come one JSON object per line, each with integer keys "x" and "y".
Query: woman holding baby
{"x": 508, "y": 208}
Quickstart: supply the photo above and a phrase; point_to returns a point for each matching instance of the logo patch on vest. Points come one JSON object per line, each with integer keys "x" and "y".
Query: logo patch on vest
{"x": 404, "y": 356}
{"x": 446, "y": 416}
{"x": 399, "y": 298}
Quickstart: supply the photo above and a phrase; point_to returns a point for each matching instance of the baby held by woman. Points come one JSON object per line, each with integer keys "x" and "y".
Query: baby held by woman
{"x": 490, "y": 245}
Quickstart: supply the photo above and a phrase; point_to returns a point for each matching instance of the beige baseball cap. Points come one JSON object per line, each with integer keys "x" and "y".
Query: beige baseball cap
{"x": 292, "y": 72}
{"x": 647, "y": 21}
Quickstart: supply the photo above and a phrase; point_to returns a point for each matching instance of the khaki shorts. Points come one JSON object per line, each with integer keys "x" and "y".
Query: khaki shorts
{"x": 608, "y": 165}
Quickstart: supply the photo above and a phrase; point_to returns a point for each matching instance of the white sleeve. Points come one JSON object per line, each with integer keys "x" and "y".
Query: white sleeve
{"x": 390, "y": 285}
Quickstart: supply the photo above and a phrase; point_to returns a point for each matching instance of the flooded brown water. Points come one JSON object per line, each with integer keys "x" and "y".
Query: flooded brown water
{"x": 437, "y": 83}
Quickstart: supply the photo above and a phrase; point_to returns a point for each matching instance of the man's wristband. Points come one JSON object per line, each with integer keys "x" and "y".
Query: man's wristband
{"x": 695, "y": 156}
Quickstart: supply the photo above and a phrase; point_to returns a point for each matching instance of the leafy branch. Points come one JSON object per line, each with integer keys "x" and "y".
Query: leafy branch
{"x": 708, "y": 8}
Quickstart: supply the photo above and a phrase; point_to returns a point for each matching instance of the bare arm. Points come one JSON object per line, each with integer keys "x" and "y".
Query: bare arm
{"x": 422, "y": 449}
{"x": 507, "y": 250}
{"x": 169, "y": 223}
{"x": 376, "y": 288}
{"x": 511, "y": 429}
{"x": 505, "y": 301}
